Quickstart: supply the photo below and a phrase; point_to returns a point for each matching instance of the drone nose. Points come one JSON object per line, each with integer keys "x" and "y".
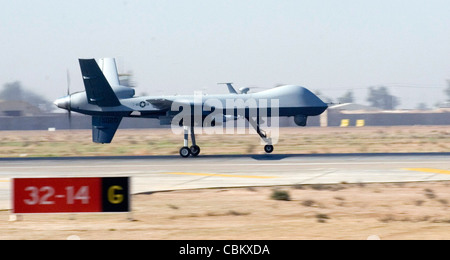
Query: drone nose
{"x": 63, "y": 102}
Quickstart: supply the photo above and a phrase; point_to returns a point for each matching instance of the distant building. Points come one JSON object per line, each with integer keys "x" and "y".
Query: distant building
{"x": 350, "y": 114}
{"x": 18, "y": 108}
{"x": 353, "y": 107}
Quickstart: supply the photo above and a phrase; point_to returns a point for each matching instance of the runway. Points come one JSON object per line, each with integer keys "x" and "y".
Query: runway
{"x": 161, "y": 173}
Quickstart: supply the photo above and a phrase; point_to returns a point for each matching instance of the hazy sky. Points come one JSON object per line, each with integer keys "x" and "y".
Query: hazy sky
{"x": 183, "y": 46}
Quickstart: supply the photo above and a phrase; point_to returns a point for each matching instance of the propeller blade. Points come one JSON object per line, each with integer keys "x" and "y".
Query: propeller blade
{"x": 69, "y": 115}
{"x": 69, "y": 111}
{"x": 68, "y": 83}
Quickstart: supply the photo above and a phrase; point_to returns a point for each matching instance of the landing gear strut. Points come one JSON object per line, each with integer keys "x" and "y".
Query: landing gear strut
{"x": 194, "y": 150}
{"x": 268, "y": 148}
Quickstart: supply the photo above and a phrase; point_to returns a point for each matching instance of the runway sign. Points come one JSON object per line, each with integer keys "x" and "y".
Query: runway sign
{"x": 71, "y": 195}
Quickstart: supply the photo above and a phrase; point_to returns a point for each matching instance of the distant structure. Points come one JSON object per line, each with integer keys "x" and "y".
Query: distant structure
{"x": 353, "y": 107}
{"x": 353, "y": 114}
{"x": 18, "y": 108}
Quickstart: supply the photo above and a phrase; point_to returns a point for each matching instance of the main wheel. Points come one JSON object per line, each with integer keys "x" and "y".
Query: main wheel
{"x": 195, "y": 150}
{"x": 268, "y": 148}
{"x": 185, "y": 151}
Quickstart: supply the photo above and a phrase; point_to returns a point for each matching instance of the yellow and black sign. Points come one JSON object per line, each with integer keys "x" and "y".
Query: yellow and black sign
{"x": 116, "y": 194}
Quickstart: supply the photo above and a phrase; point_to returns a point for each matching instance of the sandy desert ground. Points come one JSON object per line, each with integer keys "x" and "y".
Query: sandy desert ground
{"x": 341, "y": 211}
{"x": 417, "y": 210}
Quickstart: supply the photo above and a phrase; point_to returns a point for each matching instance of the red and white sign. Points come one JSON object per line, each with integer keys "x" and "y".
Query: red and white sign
{"x": 67, "y": 195}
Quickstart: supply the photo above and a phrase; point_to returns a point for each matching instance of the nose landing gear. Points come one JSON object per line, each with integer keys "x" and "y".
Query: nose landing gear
{"x": 268, "y": 148}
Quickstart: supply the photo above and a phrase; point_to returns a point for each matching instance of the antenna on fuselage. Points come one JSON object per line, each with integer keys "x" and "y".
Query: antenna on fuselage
{"x": 230, "y": 87}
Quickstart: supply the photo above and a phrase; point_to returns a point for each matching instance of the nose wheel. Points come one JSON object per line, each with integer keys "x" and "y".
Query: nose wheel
{"x": 268, "y": 148}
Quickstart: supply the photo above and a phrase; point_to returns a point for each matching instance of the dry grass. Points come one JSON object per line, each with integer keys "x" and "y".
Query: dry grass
{"x": 291, "y": 140}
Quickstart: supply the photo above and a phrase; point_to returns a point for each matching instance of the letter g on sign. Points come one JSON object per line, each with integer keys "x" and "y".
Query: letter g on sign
{"x": 113, "y": 197}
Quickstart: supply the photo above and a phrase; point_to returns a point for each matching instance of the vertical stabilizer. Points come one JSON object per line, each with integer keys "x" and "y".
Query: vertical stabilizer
{"x": 98, "y": 90}
{"x": 109, "y": 69}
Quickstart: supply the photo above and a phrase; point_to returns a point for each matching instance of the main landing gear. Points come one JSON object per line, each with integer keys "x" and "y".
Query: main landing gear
{"x": 194, "y": 150}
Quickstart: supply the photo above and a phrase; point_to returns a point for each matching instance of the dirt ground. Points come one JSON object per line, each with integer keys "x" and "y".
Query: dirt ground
{"x": 341, "y": 211}
{"x": 344, "y": 211}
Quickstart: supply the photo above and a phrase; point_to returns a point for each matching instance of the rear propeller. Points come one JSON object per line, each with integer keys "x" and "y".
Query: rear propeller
{"x": 69, "y": 107}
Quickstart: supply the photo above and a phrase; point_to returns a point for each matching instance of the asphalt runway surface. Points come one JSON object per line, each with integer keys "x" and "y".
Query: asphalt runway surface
{"x": 162, "y": 173}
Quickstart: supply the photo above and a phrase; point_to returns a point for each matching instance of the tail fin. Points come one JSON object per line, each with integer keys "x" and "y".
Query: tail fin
{"x": 109, "y": 69}
{"x": 98, "y": 90}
